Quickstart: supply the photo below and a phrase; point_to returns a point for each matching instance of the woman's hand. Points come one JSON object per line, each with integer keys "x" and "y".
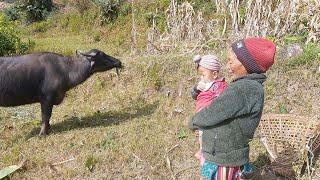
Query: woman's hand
{"x": 196, "y": 133}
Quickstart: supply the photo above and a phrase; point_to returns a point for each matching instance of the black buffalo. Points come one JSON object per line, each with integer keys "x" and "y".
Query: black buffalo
{"x": 46, "y": 77}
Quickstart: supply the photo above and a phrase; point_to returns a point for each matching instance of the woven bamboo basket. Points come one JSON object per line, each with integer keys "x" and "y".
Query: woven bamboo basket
{"x": 291, "y": 141}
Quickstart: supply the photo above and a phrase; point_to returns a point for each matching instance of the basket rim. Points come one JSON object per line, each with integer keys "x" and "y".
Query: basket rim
{"x": 293, "y": 117}
{"x": 312, "y": 125}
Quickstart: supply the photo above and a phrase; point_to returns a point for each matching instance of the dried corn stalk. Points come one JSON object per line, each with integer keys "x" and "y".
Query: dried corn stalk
{"x": 314, "y": 23}
{"x": 188, "y": 31}
{"x": 185, "y": 29}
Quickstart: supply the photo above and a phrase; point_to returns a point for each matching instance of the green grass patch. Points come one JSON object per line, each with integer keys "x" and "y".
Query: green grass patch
{"x": 310, "y": 55}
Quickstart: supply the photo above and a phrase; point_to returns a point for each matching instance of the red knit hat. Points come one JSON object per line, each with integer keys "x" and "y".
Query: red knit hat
{"x": 256, "y": 54}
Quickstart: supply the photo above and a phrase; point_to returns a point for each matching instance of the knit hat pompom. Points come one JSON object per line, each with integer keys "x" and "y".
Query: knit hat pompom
{"x": 197, "y": 59}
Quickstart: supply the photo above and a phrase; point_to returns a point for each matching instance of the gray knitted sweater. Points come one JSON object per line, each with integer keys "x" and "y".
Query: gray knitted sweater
{"x": 229, "y": 123}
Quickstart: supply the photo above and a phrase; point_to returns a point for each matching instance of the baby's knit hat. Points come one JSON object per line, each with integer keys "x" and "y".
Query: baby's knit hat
{"x": 210, "y": 62}
{"x": 256, "y": 54}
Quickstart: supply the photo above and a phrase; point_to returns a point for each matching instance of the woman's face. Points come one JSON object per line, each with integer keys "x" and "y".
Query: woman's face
{"x": 236, "y": 69}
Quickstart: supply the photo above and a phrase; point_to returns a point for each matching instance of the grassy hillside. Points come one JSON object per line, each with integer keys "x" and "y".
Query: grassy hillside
{"x": 133, "y": 127}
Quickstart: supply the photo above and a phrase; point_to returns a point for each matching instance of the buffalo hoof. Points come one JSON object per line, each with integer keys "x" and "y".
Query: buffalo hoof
{"x": 44, "y": 130}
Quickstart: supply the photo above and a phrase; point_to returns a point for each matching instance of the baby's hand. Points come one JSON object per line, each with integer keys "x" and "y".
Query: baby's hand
{"x": 201, "y": 86}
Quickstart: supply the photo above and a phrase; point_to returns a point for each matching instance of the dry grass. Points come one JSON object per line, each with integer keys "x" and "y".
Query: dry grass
{"x": 128, "y": 127}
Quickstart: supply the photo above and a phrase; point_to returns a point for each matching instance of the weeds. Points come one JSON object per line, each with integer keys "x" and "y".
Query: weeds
{"x": 282, "y": 109}
{"x": 90, "y": 163}
{"x": 41, "y": 27}
{"x": 182, "y": 134}
{"x": 154, "y": 76}
{"x": 109, "y": 142}
{"x": 309, "y": 55}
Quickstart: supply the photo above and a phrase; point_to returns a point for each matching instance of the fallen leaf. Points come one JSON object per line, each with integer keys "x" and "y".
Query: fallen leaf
{"x": 8, "y": 170}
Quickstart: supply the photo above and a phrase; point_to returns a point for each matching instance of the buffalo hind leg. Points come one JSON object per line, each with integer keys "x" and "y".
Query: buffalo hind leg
{"x": 46, "y": 110}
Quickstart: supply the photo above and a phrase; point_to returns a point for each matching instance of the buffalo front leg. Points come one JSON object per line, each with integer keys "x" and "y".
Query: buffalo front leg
{"x": 46, "y": 110}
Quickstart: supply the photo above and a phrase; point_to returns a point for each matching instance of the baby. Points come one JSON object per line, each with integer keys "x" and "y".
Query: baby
{"x": 207, "y": 89}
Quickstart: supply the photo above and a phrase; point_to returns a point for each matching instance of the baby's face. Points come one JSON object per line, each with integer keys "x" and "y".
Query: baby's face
{"x": 236, "y": 69}
{"x": 207, "y": 75}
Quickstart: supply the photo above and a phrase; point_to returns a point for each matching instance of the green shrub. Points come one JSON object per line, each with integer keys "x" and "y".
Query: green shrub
{"x": 36, "y": 10}
{"x": 109, "y": 10}
{"x": 10, "y": 42}
{"x": 125, "y": 9}
{"x": 29, "y": 10}
{"x": 13, "y": 13}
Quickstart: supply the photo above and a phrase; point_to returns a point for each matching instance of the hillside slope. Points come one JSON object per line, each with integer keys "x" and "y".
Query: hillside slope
{"x": 134, "y": 127}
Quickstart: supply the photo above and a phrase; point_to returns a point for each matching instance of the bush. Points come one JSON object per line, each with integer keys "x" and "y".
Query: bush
{"x": 109, "y": 9}
{"x": 13, "y": 13}
{"x": 36, "y": 10}
{"x": 10, "y": 42}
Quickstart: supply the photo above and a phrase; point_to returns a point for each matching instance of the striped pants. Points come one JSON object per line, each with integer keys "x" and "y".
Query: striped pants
{"x": 227, "y": 173}
{"x": 211, "y": 171}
